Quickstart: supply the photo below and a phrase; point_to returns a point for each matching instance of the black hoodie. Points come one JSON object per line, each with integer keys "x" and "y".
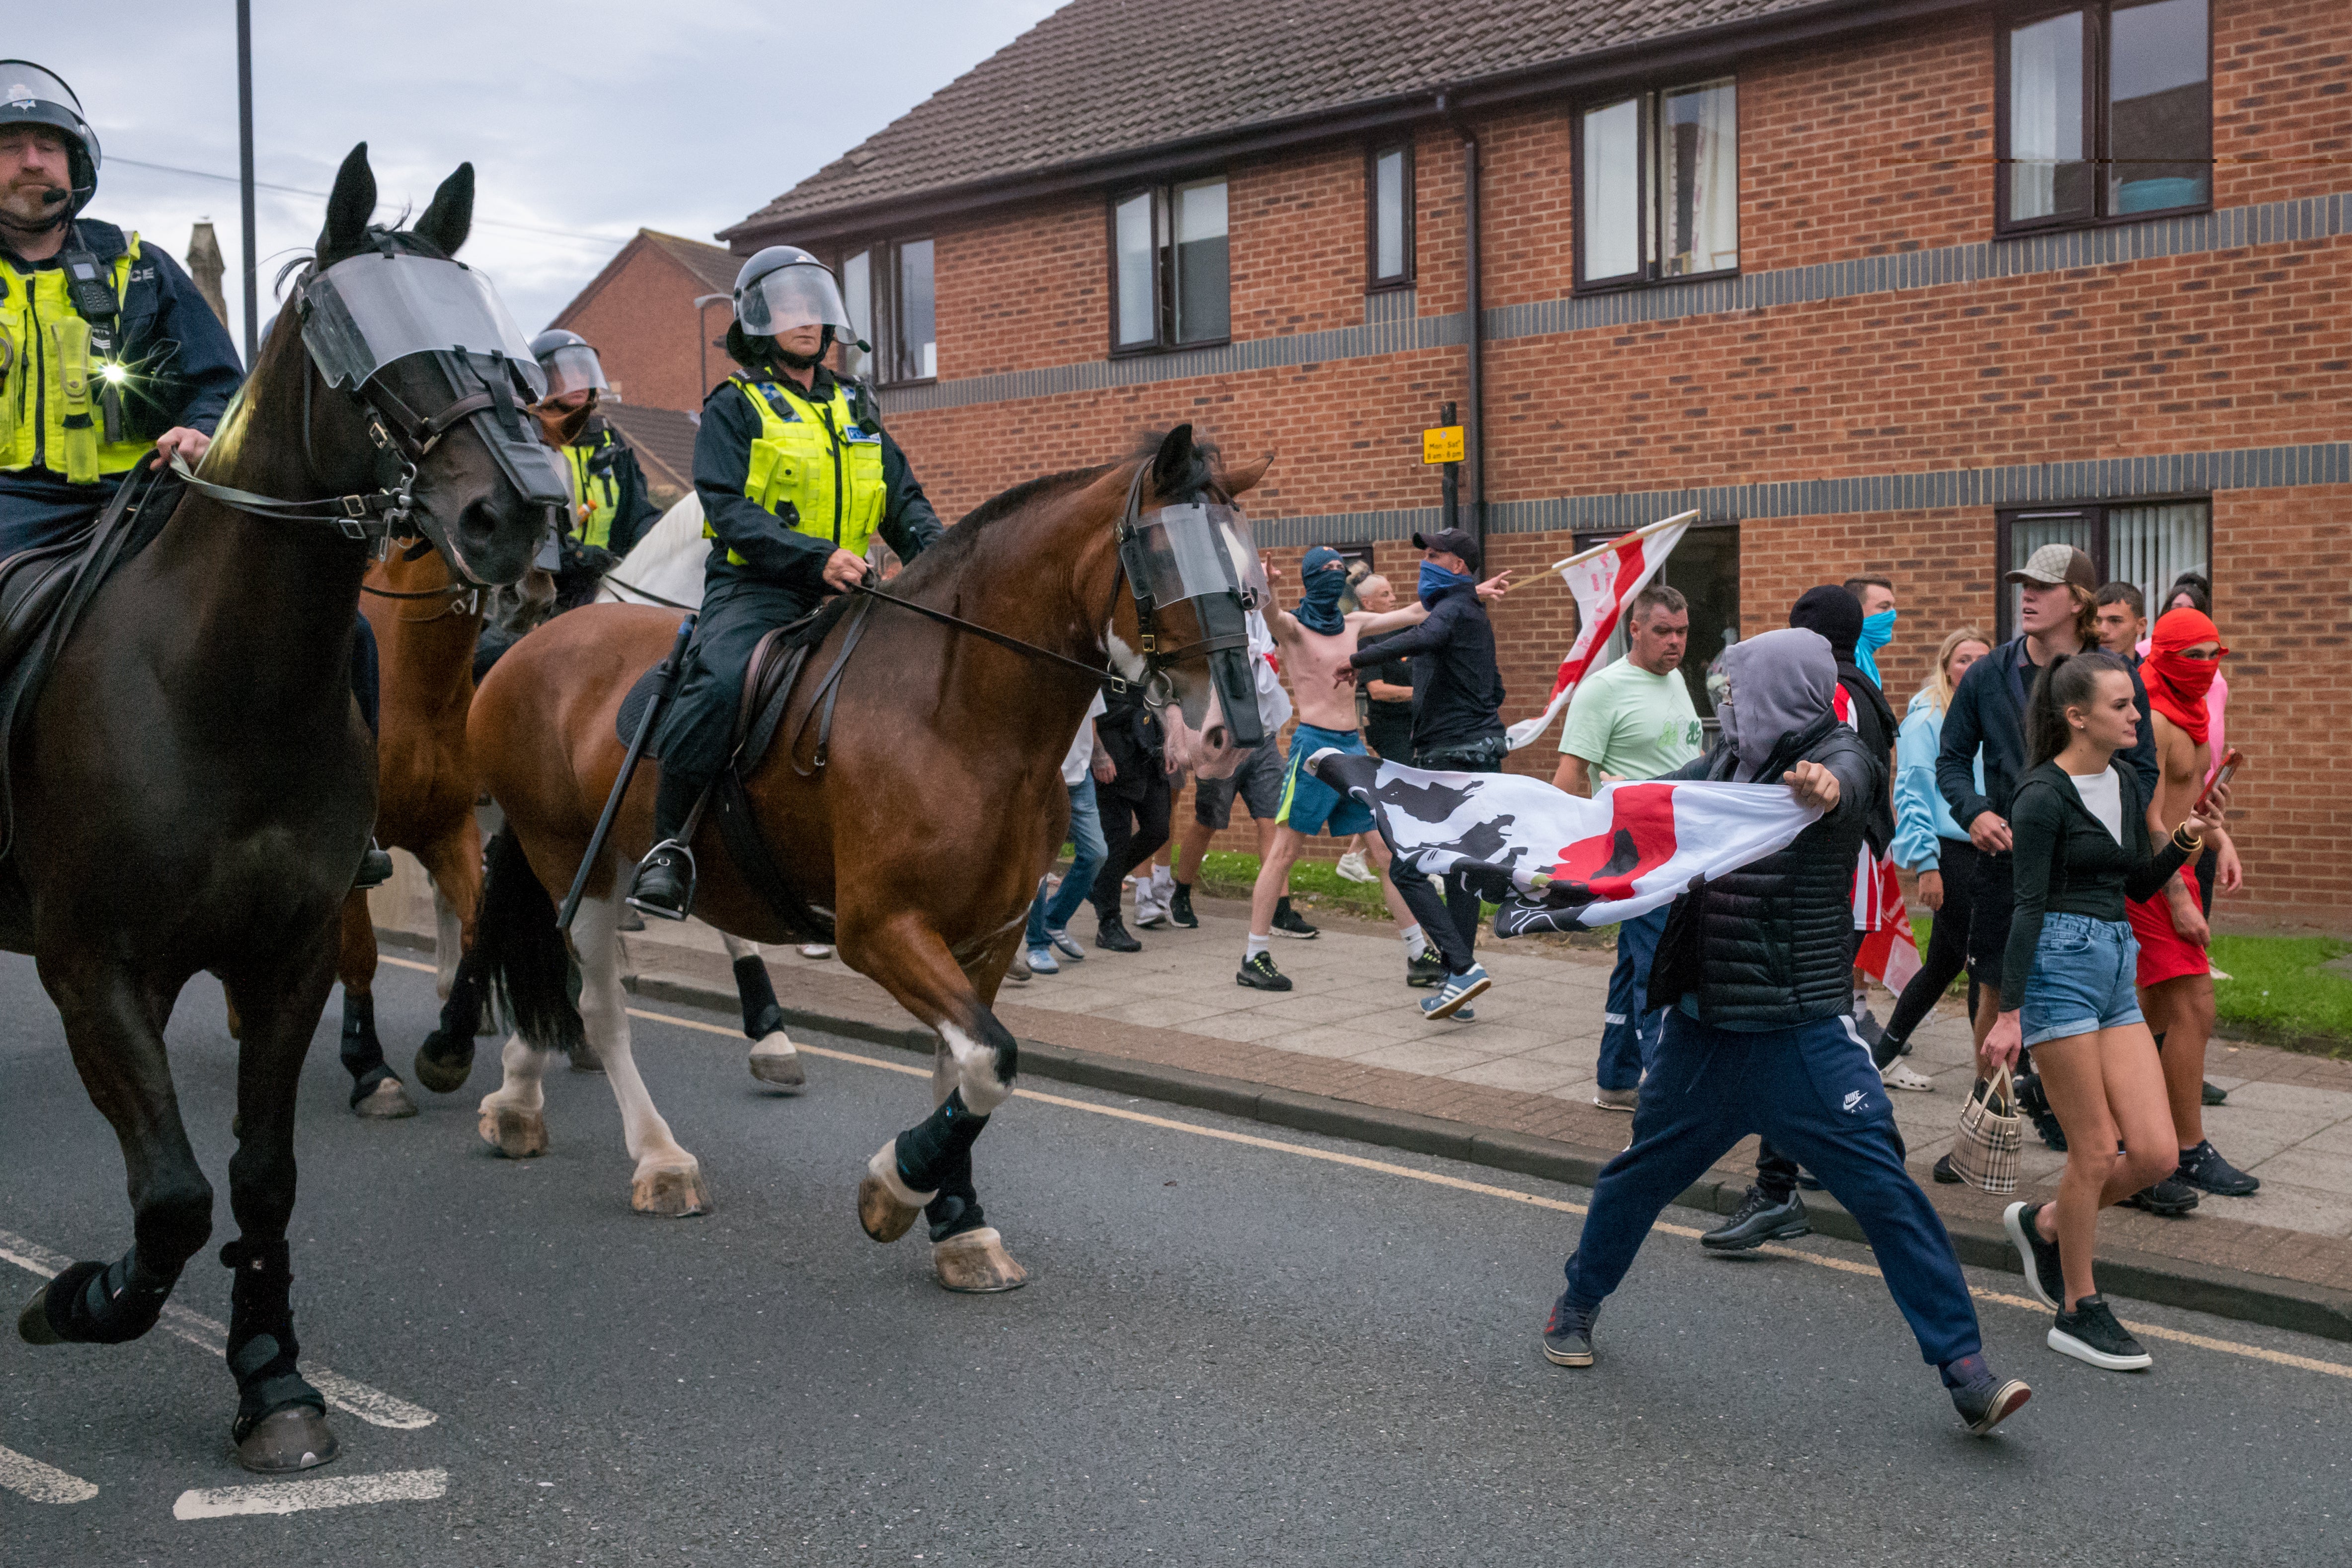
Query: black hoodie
{"x": 1836, "y": 615}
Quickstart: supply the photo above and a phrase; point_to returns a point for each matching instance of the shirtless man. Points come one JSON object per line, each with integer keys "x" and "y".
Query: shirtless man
{"x": 2176, "y": 981}
{"x": 1315, "y": 645}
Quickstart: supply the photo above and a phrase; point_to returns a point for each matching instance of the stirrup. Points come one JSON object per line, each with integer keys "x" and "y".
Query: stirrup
{"x": 659, "y": 859}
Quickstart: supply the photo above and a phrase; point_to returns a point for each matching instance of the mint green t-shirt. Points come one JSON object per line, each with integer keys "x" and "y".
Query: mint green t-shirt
{"x": 1632, "y": 724}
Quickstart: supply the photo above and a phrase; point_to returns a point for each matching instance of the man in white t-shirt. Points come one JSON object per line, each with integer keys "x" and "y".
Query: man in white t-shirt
{"x": 1633, "y": 719}
{"x": 1049, "y": 916}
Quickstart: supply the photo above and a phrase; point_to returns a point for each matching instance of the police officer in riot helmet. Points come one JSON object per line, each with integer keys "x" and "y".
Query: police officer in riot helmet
{"x": 796, "y": 476}
{"x": 109, "y": 357}
{"x": 611, "y": 508}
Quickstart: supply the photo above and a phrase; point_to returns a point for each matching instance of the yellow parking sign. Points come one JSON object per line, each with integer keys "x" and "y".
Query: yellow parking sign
{"x": 1441, "y": 445}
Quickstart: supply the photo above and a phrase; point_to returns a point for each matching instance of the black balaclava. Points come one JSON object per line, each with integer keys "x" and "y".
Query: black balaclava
{"x": 1835, "y": 614}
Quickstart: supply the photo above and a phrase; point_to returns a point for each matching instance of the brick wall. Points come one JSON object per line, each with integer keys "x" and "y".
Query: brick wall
{"x": 1880, "y": 145}
{"x": 642, "y": 321}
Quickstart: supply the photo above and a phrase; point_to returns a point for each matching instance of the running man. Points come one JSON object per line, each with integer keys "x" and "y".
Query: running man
{"x": 1317, "y": 643}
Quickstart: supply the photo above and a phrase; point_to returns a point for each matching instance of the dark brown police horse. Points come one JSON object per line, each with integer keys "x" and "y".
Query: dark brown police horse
{"x": 193, "y": 792}
{"x": 923, "y": 835}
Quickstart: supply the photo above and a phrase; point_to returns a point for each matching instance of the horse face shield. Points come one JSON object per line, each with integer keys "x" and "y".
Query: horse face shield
{"x": 1202, "y": 557}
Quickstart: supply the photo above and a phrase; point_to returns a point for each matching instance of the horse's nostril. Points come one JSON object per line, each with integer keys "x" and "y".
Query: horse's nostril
{"x": 1215, "y": 737}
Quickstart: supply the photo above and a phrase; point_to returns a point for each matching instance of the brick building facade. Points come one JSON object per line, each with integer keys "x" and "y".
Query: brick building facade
{"x": 639, "y": 311}
{"x": 1981, "y": 292}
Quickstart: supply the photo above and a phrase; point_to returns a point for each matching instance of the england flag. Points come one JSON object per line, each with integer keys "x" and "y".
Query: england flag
{"x": 1603, "y": 581}
{"x": 1555, "y": 861}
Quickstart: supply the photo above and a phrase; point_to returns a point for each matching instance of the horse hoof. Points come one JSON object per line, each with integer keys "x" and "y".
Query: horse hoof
{"x": 442, "y": 1064}
{"x": 388, "y": 1102}
{"x": 585, "y": 1059}
{"x": 285, "y": 1441}
{"x": 517, "y": 1134}
{"x": 886, "y": 1207}
{"x": 33, "y": 1322}
{"x": 977, "y": 1264}
{"x": 672, "y": 1194}
{"x": 774, "y": 1062}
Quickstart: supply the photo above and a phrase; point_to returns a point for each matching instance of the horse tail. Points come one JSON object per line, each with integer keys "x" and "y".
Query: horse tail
{"x": 522, "y": 954}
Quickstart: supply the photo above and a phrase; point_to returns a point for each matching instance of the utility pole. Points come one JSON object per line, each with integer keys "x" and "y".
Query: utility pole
{"x": 245, "y": 179}
{"x": 702, "y": 334}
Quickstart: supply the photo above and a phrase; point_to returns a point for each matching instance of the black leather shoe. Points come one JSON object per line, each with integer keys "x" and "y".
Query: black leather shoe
{"x": 1180, "y": 907}
{"x": 376, "y": 869}
{"x": 1760, "y": 1220}
{"x": 665, "y": 882}
{"x": 1111, "y": 936}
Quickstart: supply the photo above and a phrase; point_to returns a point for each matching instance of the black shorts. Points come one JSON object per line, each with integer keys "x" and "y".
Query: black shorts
{"x": 1994, "y": 901}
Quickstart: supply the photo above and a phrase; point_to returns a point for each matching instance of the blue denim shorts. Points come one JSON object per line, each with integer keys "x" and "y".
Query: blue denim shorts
{"x": 2082, "y": 979}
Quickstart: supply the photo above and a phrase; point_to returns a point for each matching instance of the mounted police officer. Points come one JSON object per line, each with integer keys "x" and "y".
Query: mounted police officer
{"x": 611, "y": 508}
{"x": 109, "y": 357}
{"x": 796, "y": 476}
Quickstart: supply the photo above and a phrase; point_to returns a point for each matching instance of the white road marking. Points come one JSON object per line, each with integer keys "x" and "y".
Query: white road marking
{"x": 1558, "y": 1206}
{"x": 372, "y": 1406}
{"x": 294, "y": 1496}
{"x": 29, "y": 1477}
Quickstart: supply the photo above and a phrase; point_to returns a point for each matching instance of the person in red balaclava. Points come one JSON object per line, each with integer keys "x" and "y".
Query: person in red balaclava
{"x": 2176, "y": 982}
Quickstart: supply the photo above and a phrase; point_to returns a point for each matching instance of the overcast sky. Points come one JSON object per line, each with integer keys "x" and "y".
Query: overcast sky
{"x": 584, "y": 121}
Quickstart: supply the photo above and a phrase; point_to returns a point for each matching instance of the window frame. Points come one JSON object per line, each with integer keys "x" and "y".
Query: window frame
{"x": 1649, "y": 100}
{"x": 1162, "y": 192}
{"x": 2097, "y": 47}
{"x": 883, "y": 289}
{"x": 2005, "y": 519}
{"x": 1374, "y": 283}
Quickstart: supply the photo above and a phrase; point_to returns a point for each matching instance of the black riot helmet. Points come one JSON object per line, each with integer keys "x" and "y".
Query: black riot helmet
{"x": 570, "y": 362}
{"x": 33, "y": 95}
{"x": 779, "y": 288}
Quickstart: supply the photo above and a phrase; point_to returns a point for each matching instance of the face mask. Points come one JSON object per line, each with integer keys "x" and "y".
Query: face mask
{"x": 1877, "y": 631}
{"x": 1436, "y": 579}
{"x": 1318, "y": 602}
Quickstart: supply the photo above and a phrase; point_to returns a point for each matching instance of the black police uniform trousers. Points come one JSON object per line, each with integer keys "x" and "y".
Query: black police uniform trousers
{"x": 737, "y": 609}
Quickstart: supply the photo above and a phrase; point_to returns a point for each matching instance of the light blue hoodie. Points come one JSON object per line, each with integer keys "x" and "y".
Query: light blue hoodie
{"x": 1921, "y": 816}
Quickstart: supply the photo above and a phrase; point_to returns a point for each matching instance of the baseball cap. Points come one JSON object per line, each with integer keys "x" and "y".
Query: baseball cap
{"x": 2054, "y": 563}
{"x": 1452, "y": 541}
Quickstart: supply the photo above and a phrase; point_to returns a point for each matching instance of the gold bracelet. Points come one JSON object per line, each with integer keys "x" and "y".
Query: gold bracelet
{"x": 2187, "y": 843}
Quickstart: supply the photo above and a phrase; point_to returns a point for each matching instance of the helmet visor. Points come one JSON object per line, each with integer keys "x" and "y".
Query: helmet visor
{"x": 362, "y": 314}
{"x": 30, "y": 95}
{"x": 573, "y": 368}
{"x": 800, "y": 295}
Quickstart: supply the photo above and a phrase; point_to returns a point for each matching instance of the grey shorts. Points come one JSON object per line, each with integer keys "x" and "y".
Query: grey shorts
{"x": 1258, "y": 781}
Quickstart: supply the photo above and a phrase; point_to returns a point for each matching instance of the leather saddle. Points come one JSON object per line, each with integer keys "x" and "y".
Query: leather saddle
{"x": 768, "y": 682}
{"x": 43, "y": 591}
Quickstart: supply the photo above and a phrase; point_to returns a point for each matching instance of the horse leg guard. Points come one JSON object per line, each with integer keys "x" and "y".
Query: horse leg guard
{"x": 446, "y": 1056}
{"x": 967, "y": 1253}
{"x": 281, "y": 1423}
{"x": 377, "y": 1090}
{"x": 774, "y": 1062}
{"x": 97, "y": 1304}
{"x": 902, "y": 1179}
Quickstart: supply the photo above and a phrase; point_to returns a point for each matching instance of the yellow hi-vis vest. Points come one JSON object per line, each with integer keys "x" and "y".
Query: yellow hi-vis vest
{"x": 50, "y": 380}
{"x": 598, "y": 492}
{"x": 817, "y": 456}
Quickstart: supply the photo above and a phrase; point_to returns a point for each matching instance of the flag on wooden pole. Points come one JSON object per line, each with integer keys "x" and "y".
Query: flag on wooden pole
{"x": 1603, "y": 581}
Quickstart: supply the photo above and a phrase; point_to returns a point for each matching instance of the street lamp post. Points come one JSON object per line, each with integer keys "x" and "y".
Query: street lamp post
{"x": 702, "y": 333}
{"x": 245, "y": 177}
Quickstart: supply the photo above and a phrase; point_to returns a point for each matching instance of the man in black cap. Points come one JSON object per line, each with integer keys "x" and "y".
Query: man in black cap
{"x": 1457, "y": 727}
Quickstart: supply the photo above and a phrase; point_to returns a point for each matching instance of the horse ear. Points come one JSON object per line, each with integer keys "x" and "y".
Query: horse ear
{"x": 1173, "y": 461}
{"x": 451, "y": 216}
{"x": 348, "y": 208}
{"x": 1238, "y": 480}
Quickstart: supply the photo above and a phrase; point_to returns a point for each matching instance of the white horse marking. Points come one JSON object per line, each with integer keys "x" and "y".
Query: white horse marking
{"x": 448, "y": 942}
{"x": 1130, "y": 662}
{"x": 975, "y": 1070}
{"x": 668, "y": 1178}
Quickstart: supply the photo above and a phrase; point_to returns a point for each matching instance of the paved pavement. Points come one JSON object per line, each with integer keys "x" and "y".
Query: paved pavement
{"x": 1232, "y": 1350}
{"x": 1349, "y": 1029}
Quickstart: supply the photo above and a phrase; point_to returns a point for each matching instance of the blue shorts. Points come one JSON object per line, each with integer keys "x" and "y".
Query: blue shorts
{"x": 1309, "y": 805}
{"x": 2083, "y": 979}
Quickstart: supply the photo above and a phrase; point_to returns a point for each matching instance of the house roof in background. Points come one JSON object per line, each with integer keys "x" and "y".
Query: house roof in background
{"x": 664, "y": 441}
{"x": 1102, "y": 78}
{"x": 711, "y": 265}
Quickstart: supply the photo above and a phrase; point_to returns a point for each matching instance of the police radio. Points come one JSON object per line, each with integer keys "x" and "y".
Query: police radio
{"x": 94, "y": 301}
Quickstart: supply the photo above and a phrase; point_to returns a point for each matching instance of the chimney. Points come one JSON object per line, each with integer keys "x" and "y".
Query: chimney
{"x": 205, "y": 267}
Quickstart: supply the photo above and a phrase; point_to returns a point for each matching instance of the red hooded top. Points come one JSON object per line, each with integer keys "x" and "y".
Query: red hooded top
{"x": 2176, "y": 684}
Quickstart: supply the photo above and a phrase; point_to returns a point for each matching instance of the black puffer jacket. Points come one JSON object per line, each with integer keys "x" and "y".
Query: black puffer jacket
{"x": 1769, "y": 946}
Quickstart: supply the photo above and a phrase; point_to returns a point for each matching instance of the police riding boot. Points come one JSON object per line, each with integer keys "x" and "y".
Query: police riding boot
{"x": 375, "y": 868}
{"x": 664, "y": 881}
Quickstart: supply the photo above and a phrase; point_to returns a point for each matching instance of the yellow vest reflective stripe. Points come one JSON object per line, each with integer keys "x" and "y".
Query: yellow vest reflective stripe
{"x": 817, "y": 456}
{"x": 600, "y": 492}
{"x": 50, "y": 381}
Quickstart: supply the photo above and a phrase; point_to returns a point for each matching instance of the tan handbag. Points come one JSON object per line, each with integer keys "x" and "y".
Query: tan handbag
{"x": 1989, "y": 1151}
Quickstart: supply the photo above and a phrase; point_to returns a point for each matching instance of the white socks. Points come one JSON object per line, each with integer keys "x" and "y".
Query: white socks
{"x": 1413, "y": 944}
{"x": 1257, "y": 944}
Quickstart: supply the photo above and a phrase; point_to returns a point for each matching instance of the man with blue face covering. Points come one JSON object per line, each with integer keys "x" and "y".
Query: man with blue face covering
{"x": 1877, "y": 597}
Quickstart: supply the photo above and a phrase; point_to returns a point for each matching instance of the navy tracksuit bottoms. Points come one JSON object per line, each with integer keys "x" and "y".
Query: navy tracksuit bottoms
{"x": 1813, "y": 1090}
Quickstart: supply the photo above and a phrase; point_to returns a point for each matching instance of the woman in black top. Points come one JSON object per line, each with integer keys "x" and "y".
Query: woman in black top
{"x": 2081, "y": 837}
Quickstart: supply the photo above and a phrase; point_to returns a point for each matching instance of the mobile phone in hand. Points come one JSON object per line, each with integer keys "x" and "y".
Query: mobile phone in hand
{"x": 2229, "y": 761}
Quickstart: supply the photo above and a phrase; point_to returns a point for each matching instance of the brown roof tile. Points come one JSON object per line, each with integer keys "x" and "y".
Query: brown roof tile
{"x": 664, "y": 440}
{"x": 1102, "y": 77}
{"x": 714, "y": 264}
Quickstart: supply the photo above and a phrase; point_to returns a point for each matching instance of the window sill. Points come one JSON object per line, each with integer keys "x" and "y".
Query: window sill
{"x": 2075, "y": 225}
{"x": 1630, "y": 285}
{"x": 911, "y": 381}
{"x": 1389, "y": 285}
{"x": 1146, "y": 351}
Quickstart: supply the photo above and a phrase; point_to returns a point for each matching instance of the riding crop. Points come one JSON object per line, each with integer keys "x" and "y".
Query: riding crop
{"x": 664, "y": 679}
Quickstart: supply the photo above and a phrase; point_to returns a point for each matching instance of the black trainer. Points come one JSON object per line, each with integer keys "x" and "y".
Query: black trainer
{"x": 663, "y": 886}
{"x": 1288, "y": 924}
{"x": 2203, "y": 1168}
{"x": 1568, "y": 1335}
{"x": 1424, "y": 969}
{"x": 2039, "y": 1259}
{"x": 375, "y": 868}
{"x": 1758, "y": 1221}
{"x": 2036, "y": 1106}
{"x": 1943, "y": 1173}
{"x": 1111, "y": 936}
{"x": 1180, "y": 907}
{"x": 1259, "y": 974}
{"x": 2213, "y": 1096}
{"x": 2169, "y": 1198}
{"x": 1989, "y": 1400}
{"x": 2090, "y": 1333}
